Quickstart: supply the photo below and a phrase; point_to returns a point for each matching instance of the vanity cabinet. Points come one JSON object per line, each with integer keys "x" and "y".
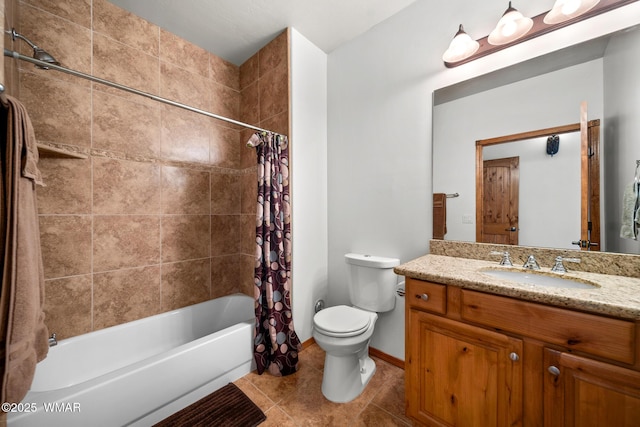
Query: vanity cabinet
{"x": 479, "y": 359}
{"x": 583, "y": 392}
{"x": 464, "y": 375}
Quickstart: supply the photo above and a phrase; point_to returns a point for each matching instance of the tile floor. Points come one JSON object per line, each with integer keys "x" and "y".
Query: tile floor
{"x": 297, "y": 400}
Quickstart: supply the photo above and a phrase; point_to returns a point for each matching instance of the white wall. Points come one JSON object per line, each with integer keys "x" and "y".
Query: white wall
{"x": 309, "y": 180}
{"x": 622, "y": 132}
{"x": 518, "y": 107}
{"x": 379, "y": 109}
{"x": 379, "y": 137}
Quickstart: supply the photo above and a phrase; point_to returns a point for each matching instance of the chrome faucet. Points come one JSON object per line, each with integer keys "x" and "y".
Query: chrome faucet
{"x": 52, "y": 340}
{"x": 506, "y": 259}
{"x": 531, "y": 263}
{"x": 559, "y": 265}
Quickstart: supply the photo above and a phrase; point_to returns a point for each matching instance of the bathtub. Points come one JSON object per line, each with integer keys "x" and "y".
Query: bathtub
{"x": 140, "y": 372}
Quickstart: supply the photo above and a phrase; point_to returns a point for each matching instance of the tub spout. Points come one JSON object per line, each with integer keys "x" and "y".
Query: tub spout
{"x": 52, "y": 340}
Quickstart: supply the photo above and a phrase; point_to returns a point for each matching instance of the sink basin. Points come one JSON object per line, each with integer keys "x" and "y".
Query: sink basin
{"x": 533, "y": 278}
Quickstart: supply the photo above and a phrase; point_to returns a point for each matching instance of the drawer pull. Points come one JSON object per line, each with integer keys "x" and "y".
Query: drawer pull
{"x": 423, "y": 297}
{"x": 553, "y": 370}
{"x": 514, "y": 357}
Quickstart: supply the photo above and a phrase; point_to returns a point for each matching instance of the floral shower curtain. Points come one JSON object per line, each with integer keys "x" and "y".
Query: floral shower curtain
{"x": 276, "y": 344}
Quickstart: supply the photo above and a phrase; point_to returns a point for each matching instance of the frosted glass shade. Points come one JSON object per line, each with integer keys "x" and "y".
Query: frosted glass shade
{"x": 462, "y": 46}
{"x": 563, "y": 10}
{"x": 511, "y": 26}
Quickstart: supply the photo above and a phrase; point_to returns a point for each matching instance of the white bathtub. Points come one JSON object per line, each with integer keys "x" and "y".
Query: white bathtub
{"x": 140, "y": 372}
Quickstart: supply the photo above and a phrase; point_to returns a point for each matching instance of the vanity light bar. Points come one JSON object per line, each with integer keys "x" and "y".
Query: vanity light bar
{"x": 539, "y": 28}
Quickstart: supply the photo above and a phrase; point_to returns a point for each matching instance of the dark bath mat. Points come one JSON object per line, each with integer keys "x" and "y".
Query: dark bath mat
{"x": 228, "y": 407}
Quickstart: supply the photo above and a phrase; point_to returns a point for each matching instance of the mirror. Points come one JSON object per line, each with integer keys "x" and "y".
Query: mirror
{"x": 544, "y": 93}
{"x": 556, "y": 206}
{"x": 524, "y": 167}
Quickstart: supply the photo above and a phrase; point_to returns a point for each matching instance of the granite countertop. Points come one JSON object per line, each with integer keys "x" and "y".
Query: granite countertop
{"x": 617, "y": 296}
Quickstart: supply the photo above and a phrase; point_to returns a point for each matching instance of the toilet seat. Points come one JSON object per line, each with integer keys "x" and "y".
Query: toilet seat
{"x": 342, "y": 321}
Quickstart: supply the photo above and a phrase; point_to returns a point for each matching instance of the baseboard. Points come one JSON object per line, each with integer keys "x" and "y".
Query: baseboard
{"x": 386, "y": 357}
{"x": 308, "y": 343}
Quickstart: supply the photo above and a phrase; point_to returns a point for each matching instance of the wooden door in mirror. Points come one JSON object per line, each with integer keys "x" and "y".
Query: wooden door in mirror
{"x": 589, "y": 238}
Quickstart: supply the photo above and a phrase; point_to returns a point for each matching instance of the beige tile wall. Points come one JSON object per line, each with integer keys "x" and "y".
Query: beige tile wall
{"x": 264, "y": 74}
{"x": 161, "y": 214}
{"x": 9, "y": 73}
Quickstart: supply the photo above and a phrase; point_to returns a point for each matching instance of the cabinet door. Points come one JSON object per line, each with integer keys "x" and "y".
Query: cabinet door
{"x": 460, "y": 375}
{"x": 580, "y": 392}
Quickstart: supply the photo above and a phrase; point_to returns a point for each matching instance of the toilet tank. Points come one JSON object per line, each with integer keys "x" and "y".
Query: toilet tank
{"x": 372, "y": 282}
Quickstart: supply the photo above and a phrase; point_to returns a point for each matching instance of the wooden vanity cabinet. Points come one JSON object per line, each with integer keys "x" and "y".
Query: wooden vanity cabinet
{"x": 464, "y": 375}
{"x": 477, "y": 359}
{"x": 583, "y": 392}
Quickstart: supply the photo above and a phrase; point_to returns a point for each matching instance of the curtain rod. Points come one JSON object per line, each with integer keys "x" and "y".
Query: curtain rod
{"x": 16, "y": 55}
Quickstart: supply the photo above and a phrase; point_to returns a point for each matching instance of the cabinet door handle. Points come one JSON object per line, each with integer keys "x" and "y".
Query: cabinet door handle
{"x": 423, "y": 297}
{"x": 514, "y": 357}
{"x": 553, "y": 370}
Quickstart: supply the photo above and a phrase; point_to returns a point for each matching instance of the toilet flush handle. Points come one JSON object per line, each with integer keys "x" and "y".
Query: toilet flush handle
{"x": 423, "y": 297}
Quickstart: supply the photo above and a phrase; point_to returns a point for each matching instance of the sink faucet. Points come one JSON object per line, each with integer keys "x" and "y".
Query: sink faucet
{"x": 559, "y": 266}
{"x": 531, "y": 263}
{"x": 506, "y": 259}
{"x": 52, "y": 340}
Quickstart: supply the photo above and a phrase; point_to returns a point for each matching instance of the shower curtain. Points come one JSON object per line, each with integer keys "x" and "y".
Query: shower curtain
{"x": 276, "y": 344}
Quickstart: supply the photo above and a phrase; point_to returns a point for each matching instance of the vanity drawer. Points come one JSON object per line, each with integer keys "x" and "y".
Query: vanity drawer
{"x": 597, "y": 335}
{"x": 426, "y": 296}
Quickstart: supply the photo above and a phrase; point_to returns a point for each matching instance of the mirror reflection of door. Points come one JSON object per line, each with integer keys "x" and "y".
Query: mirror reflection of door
{"x": 590, "y": 188}
{"x": 501, "y": 182}
{"x": 593, "y": 187}
{"x": 578, "y": 220}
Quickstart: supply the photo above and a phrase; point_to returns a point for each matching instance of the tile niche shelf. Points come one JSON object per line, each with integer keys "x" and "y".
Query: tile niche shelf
{"x": 47, "y": 151}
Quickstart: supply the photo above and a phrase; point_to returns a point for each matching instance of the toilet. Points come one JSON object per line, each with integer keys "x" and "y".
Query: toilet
{"x": 344, "y": 332}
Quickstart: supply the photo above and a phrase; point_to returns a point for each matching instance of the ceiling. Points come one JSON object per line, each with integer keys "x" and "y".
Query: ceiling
{"x": 236, "y": 29}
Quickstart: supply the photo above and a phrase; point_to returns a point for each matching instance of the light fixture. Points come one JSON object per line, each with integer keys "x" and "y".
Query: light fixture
{"x": 511, "y": 26}
{"x": 563, "y": 10}
{"x": 462, "y": 46}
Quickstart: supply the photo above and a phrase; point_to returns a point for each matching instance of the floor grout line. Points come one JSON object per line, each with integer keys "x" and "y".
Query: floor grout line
{"x": 297, "y": 415}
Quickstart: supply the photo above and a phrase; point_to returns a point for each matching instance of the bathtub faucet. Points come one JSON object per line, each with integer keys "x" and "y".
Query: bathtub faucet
{"x": 52, "y": 340}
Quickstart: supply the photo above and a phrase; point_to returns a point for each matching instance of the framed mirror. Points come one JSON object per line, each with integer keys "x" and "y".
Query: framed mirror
{"x": 544, "y": 93}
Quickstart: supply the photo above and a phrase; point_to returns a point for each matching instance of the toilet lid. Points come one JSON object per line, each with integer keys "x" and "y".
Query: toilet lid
{"x": 342, "y": 320}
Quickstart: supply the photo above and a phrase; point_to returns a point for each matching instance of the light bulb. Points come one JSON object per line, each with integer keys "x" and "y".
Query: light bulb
{"x": 511, "y": 26}
{"x": 457, "y": 47}
{"x": 563, "y": 10}
{"x": 570, "y": 6}
{"x": 461, "y": 47}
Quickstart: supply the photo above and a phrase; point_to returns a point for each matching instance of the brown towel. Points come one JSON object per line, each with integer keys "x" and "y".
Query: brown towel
{"x": 439, "y": 215}
{"x": 23, "y": 334}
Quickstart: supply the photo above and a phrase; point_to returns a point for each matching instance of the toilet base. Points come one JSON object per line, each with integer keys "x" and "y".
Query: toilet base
{"x": 345, "y": 377}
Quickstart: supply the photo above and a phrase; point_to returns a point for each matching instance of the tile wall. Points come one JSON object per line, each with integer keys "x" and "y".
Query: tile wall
{"x": 161, "y": 213}
{"x": 9, "y": 74}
